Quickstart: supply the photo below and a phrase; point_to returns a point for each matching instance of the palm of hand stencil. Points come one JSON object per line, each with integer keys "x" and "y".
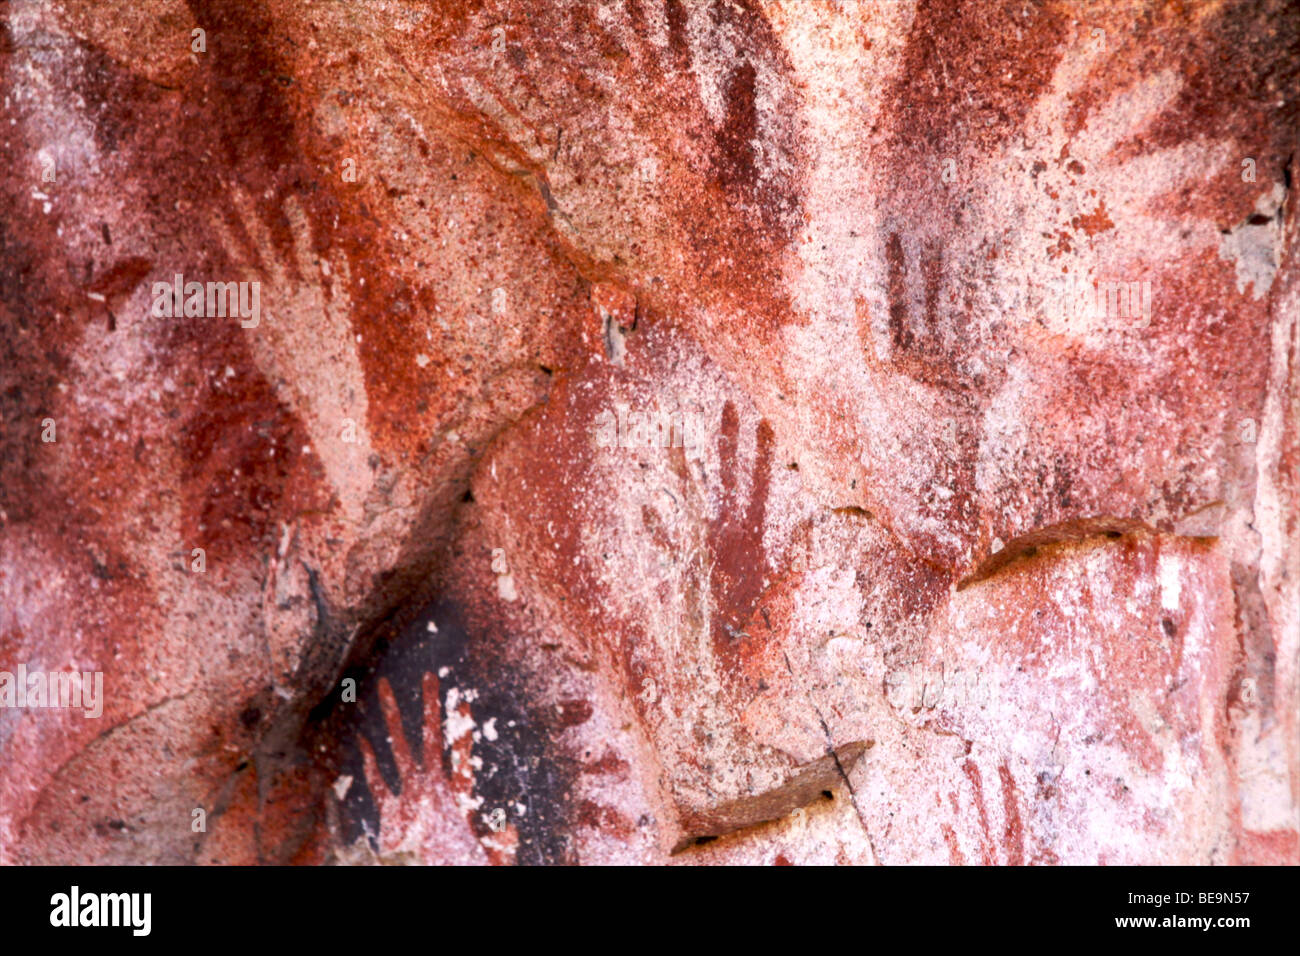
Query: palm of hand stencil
{"x": 734, "y": 538}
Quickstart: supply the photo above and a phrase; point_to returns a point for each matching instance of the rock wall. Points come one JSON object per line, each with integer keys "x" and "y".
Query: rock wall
{"x": 702, "y": 431}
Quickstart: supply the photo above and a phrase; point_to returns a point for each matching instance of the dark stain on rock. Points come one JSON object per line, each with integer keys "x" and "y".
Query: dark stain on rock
{"x": 519, "y": 767}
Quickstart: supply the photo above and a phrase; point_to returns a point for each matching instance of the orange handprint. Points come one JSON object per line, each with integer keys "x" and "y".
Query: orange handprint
{"x": 419, "y": 819}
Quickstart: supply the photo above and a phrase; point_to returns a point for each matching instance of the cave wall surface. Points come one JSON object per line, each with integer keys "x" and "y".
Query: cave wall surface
{"x": 691, "y": 431}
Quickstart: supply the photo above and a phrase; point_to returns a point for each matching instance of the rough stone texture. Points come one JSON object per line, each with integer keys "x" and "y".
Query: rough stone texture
{"x": 933, "y": 568}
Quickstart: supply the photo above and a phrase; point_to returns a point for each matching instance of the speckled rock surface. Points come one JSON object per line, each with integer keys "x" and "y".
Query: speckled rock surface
{"x": 692, "y": 431}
